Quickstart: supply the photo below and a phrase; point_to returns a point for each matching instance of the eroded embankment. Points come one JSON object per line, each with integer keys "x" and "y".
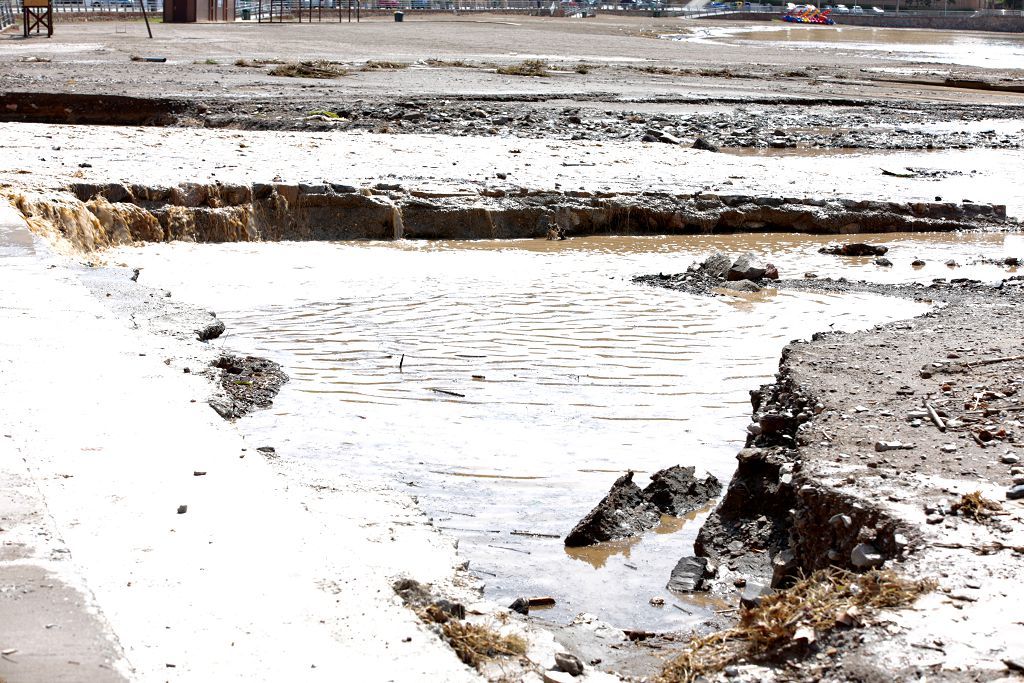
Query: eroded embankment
{"x": 94, "y": 216}
{"x": 846, "y": 466}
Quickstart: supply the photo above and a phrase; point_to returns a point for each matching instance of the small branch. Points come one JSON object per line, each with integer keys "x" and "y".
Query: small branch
{"x": 935, "y": 416}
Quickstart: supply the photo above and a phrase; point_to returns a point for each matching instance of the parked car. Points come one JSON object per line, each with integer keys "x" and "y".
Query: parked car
{"x": 877, "y": 10}
{"x": 856, "y": 9}
{"x": 842, "y": 9}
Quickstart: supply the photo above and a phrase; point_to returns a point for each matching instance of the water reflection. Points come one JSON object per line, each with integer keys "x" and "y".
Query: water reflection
{"x": 585, "y": 375}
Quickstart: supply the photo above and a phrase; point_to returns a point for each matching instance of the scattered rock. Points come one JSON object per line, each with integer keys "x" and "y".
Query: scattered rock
{"x": 520, "y": 605}
{"x": 568, "y": 663}
{"x": 882, "y": 261}
{"x": 917, "y": 263}
{"x": 624, "y": 512}
{"x": 249, "y": 383}
{"x": 676, "y": 491}
{"x": 627, "y": 510}
{"x": 656, "y": 135}
{"x": 1015, "y": 492}
{"x": 182, "y": 509}
{"x": 716, "y": 265}
{"x": 854, "y": 249}
{"x": 865, "y": 556}
{"x": 742, "y": 286}
{"x": 746, "y": 267}
{"x": 688, "y": 575}
{"x": 702, "y": 144}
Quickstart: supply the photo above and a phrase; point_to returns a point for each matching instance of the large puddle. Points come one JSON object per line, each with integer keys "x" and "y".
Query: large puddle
{"x": 507, "y": 384}
{"x": 985, "y": 50}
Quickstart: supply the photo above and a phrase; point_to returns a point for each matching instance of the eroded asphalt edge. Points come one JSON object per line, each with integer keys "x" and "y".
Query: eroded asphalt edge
{"x": 100, "y": 440}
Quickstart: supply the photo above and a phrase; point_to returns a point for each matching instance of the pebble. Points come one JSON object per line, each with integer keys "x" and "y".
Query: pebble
{"x": 865, "y": 555}
{"x": 948, "y": 448}
{"x": 568, "y": 663}
{"x": 1010, "y": 459}
{"x": 1015, "y": 492}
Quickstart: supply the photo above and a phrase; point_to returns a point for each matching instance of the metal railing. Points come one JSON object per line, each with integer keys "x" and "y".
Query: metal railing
{"x": 100, "y": 7}
{"x": 6, "y": 14}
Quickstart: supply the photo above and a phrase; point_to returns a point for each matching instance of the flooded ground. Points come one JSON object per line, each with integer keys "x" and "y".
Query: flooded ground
{"x": 507, "y": 384}
{"x": 981, "y": 50}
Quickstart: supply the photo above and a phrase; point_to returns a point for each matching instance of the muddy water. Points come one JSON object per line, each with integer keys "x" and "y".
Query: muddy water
{"x": 995, "y": 51}
{"x": 507, "y": 384}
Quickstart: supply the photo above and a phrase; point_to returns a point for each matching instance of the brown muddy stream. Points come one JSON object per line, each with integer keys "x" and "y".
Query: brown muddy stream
{"x": 534, "y": 373}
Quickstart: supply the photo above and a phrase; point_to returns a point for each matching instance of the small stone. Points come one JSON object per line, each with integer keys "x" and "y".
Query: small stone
{"x": 1009, "y": 459}
{"x": 917, "y": 263}
{"x": 739, "y": 582}
{"x": 568, "y": 663}
{"x": 882, "y": 446}
{"x": 948, "y": 448}
{"x": 865, "y": 555}
{"x": 841, "y": 520}
{"x": 1015, "y": 492}
{"x": 520, "y": 605}
{"x": 882, "y": 261}
{"x": 657, "y": 602}
{"x": 934, "y": 519}
{"x": 751, "y": 595}
{"x": 702, "y": 144}
{"x": 182, "y": 509}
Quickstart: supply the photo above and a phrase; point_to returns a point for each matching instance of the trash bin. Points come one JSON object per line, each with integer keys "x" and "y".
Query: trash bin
{"x": 399, "y": 16}
{"x": 246, "y": 14}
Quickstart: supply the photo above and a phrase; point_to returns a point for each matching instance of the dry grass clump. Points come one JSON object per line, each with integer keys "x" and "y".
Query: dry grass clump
{"x": 256, "y": 63}
{"x": 375, "y": 65}
{"x": 320, "y": 68}
{"x": 454, "y": 63}
{"x": 476, "y": 645}
{"x": 529, "y": 67}
{"x": 975, "y": 506}
{"x": 789, "y": 620}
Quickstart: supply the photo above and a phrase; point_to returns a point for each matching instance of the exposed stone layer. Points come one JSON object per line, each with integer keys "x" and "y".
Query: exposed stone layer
{"x": 95, "y": 216}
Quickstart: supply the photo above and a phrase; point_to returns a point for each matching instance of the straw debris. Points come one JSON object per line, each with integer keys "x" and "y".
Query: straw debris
{"x": 476, "y": 645}
{"x": 320, "y": 68}
{"x": 787, "y": 622}
{"x": 375, "y": 65}
{"x": 451, "y": 63}
{"x": 256, "y": 63}
{"x": 975, "y": 506}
